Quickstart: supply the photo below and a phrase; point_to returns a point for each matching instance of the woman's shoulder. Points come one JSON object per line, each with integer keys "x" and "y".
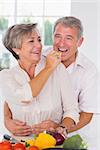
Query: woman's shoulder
{"x": 6, "y": 73}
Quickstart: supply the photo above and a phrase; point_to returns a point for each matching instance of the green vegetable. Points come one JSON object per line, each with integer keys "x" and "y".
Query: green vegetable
{"x": 74, "y": 142}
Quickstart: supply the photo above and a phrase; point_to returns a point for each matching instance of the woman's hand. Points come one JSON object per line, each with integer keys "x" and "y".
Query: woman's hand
{"x": 48, "y": 125}
{"x": 53, "y": 59}
{"x": 18, "y": 128}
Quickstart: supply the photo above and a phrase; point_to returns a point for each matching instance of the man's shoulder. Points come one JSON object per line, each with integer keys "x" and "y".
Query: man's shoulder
{"x": 86, "y": 63}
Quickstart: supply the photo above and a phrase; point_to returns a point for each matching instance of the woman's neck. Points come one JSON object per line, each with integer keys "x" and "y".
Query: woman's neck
{"x": 29, "y": 68}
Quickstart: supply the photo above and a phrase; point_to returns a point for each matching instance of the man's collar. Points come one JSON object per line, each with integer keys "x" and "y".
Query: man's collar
{"x": 80, "y": 60}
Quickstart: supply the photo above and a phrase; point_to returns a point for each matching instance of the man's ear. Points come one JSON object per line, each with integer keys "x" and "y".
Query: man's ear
{"x": 80, "y": 41}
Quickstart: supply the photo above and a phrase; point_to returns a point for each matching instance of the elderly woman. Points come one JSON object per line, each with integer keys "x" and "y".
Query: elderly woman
{"x": 37, "y": 92}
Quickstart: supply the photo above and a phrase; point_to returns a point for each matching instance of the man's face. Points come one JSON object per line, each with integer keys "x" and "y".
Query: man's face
{"x": 66, "y": 41}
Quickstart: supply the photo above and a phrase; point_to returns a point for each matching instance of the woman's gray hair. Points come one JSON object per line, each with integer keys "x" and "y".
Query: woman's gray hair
{"x": 71, "y": 22}
{"x": 14, "y": 36}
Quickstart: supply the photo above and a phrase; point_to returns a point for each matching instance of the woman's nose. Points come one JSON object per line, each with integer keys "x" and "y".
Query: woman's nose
{"x": 38, "y": 44}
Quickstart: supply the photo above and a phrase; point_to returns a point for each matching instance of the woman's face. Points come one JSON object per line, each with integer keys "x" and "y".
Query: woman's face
{"x": 31, "y": 48}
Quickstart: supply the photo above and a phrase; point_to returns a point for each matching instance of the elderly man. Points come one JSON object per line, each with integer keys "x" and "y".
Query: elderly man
{"x": 68, "y": 37}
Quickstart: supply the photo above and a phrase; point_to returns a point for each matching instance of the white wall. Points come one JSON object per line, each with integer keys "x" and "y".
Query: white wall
{"x": 88, "y": 12}
{"x": 98, "y": 34}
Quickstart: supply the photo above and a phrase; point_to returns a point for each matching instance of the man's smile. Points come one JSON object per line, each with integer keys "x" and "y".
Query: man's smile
{"x": 62, "y": 50}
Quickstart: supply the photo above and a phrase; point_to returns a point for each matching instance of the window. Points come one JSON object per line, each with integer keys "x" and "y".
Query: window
{"x": 44, "y": 12}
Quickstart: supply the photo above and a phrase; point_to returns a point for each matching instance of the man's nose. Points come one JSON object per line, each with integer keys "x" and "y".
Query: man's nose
{"x": 62, "y": 42}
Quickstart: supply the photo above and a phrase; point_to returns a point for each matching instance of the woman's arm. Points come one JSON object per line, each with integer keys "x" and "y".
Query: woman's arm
{"x": 23, "y": 91}
{"x": 52, "y": 61}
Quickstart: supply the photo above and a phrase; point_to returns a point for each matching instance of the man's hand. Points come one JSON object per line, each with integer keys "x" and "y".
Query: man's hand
{"x": 43, "y": 126}
{"x": 18, "y": 128}
{"x": 62, "y": 130}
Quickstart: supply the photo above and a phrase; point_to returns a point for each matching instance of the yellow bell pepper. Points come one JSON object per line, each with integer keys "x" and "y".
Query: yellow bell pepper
{"x": 45, "y": 140}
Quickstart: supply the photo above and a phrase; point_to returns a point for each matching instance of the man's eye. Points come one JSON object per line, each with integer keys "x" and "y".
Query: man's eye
{"x": 58, "y": 37}
{"x": 68, "y": 38}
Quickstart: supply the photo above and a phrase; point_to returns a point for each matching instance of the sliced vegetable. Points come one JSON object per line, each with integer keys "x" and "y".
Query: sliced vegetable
{"x": 59, "y": 137}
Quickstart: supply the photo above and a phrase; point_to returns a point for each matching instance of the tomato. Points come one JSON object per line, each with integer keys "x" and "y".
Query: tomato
{"x": 33, "y": 148}
{"x": 19, "y": 146}
{"x": 5, "y": 145}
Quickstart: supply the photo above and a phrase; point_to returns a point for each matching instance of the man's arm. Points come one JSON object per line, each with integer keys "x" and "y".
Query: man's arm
{"x": 16, "y": 127}
{"x": 68, "y": 125}
{"x": 84, "y": 119}
{"x": 7, "y": 112}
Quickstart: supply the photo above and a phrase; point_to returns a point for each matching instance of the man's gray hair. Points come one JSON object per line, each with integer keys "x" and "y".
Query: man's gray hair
{"x": 71, "y": 22}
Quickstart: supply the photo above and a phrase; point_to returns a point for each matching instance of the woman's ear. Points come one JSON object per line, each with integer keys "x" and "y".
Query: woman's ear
{"x": 80, "y": 41}
{"x": 16, "y": 50}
